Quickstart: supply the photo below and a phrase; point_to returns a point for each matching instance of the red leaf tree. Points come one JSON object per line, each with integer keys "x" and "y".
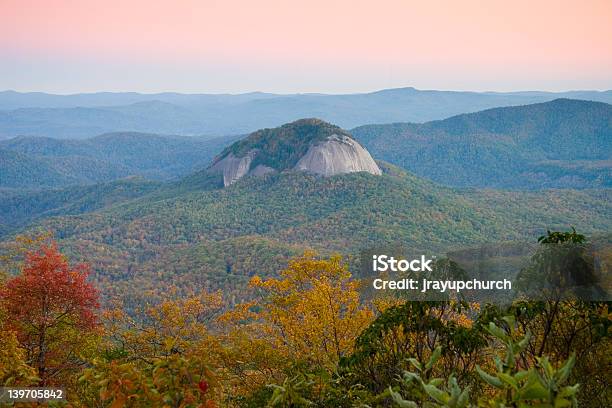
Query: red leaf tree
{"x": 51, "y": 307}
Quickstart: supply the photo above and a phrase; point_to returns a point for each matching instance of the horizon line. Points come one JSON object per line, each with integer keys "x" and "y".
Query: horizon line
{"x": 55, "y": 93}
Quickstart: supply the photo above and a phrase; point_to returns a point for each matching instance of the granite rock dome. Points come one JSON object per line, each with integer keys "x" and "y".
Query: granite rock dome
{"x": 309, "y": 145}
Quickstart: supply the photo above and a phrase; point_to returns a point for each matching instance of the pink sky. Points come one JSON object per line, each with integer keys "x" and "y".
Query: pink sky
{"x": 289, "y": 46}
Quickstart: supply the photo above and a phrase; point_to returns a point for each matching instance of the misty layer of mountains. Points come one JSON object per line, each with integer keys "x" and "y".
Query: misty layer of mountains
{"x": 558, "y": 144}
{"x": 87, "y": 115}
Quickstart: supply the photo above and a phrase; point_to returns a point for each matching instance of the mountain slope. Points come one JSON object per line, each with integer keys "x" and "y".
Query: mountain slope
{"x": 562, "y": 143}
{"x": 46, "y": 162}
{"x": 18, "y": 170}
{"x": 87, "y": 115}
{"x": 139, "y": 239}
{"x": 19, "y": 207}
{"x": 195, "y": 233}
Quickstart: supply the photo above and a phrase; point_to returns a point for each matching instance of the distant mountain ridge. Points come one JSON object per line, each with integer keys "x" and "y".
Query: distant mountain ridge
{"x": 559, "y": 144}
{"x": 87, "y": 115}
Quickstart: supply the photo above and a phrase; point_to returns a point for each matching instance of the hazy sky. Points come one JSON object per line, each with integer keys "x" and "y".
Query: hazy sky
{"x": 304, "y": 46}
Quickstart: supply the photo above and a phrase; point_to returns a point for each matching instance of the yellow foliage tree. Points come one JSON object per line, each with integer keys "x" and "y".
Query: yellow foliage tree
{"x": 14, "y": 370}
{"x": 164, "y": 357}
{"x": 311, "y": 314}
{"x": 181, "y": 322}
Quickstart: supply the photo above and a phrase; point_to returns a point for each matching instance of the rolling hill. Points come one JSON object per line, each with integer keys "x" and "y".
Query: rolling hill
{"x": 190, "y": 234}
{"x": 37, "y": 162}
{"x": 19, "y": 207}
{"x": 18, "y": 170}
{"x": 559, "y": 144}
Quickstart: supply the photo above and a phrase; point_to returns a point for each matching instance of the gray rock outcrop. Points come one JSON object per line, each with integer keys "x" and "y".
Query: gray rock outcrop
{"x": 339, "y": 154}
{"x": 299, "y": 146}
{"x": 234, "y": 168}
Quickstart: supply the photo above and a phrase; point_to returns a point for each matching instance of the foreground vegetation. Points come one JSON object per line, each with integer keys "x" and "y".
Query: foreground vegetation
{"x": 307, "y": 338}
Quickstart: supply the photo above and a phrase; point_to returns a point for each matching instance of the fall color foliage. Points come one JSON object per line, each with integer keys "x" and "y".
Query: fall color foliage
{"x": 52, "y": 309}
{"x": 304, "y": 338}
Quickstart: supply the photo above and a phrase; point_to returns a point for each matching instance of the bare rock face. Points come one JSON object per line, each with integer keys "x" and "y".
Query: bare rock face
{"x": 310, "y": 145}
{"x": 233, "y": 168}
{"x": 339, "y": 154}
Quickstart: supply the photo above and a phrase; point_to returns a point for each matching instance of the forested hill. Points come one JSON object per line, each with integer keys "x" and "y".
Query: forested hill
{"x": 217, "y": 238}
{"x": 37, "y": 162}
{"x": 309, "y": 145}
{"x": 559, "y": 144}
{"x": 20, "y": 207}
{"x": 282, "y": 147}
{"x": 192, "y": 232}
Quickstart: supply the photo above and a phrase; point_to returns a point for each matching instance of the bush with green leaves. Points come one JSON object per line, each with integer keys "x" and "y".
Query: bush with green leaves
{"x": 414, "y": 330}
{"x": 291, "y": 392}
{"x": 542, "y": 385}
{"x": 430, "y": 392}
{"x": 512, "y": 385}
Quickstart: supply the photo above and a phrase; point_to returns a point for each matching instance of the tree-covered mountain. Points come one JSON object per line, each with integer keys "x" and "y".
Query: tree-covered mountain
{"x": 170, "y": 234}
{"x": 310, "y": 145}
{"x": 559, "y": 144}
{"x": 18, "y": 170}
{"x": 38, "y": 162}
{"x": 195, "y": 231}
{"x": 282, "y": 147}
{"x": 19, "y": 207}
{"x": 87, "y": 115}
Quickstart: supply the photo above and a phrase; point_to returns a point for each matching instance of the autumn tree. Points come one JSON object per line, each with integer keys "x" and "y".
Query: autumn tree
{"x": 310, "y": 315}
{"x": 52, "y": 308}
{"x": 163, "y": 355}
{"x": 14, "y": 370}
{"x": 183, "y": 322}
{"x": 173, "y": 381}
